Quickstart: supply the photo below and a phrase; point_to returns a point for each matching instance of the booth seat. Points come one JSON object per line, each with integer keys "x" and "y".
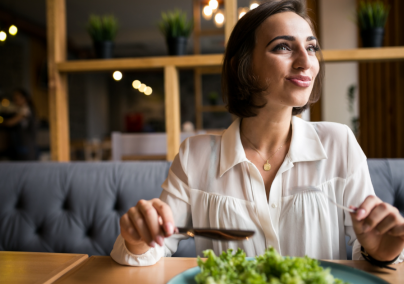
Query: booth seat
{"x": 75, "y": 207}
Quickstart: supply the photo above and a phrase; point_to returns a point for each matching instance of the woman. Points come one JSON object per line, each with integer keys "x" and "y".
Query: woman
{"x": 243, "y": 178}
{"x": 22, "y": 128}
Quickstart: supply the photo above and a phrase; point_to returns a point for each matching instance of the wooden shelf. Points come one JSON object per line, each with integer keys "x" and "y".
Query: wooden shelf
{"x": 213, "y": 109}
{"x": 189, "y": 61}
{"x": 364, "y": 54}
{"x": 192, "y": 61}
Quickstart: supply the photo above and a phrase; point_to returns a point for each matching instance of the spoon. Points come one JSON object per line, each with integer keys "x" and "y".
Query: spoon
{"x": 311, "y": 188}
{"x": 217, "y": 234}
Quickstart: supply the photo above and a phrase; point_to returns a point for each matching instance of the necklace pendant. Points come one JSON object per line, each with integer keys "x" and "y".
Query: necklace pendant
{"x": 267, "y": 166}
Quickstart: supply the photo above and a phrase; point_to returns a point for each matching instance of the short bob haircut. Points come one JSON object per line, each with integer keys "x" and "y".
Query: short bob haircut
{"x": 240, "y": 88}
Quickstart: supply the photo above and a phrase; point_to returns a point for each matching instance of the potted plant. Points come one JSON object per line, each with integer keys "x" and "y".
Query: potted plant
{"x": 103, "y": 31}
{"x": 176, "y": 29}
{"x": 372, "y": 18}
{"x": 213, "y": 98}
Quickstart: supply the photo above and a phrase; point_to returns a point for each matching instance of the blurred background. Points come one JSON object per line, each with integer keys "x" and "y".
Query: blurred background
{"x": 365, "y": 96}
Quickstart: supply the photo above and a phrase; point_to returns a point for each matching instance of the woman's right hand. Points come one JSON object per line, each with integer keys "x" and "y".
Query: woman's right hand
{"x": 146, "y": 224}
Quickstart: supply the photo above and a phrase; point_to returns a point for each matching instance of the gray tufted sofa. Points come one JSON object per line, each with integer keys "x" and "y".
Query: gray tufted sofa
{"x": 75, "y": 207}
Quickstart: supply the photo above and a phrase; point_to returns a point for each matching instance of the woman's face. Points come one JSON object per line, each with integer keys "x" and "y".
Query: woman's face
{"x": 284, "y": 60}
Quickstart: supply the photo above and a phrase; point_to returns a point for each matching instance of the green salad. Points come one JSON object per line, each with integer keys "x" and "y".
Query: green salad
{"x": 267, "y": 268}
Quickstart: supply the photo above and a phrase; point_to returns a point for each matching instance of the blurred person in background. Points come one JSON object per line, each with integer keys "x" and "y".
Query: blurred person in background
{"x": 22, "y": 128}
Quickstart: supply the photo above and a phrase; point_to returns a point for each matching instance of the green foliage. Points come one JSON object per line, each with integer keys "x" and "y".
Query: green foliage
{"x": 213, "y": 98}
{"x": 102, "y": 28}
{"x": 372, "y": 15}
{"x": 267, "y": 268}
{"x": 175, "y": 24}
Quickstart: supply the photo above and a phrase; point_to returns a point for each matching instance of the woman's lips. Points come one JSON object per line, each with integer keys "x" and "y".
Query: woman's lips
{"x": 301, "y": 81}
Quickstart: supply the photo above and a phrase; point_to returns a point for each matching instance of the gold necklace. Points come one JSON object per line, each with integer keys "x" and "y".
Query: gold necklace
{"x": 267, "y": 165}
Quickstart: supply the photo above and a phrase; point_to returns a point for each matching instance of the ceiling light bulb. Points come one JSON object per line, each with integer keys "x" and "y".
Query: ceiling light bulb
{"x": 142, "y": 88}
{"x": 213, "y": 4}
{"x": 148, "y": 91}
{"x": 253, "y": 5}
{"x": 242, "y": 11}
{"x": 219, "y": 19}
{"x": 3, "y": 36}
{"x": 136, "y": 84}
{"x": 13, "y": 30}
{"x": 117, "y": 75}
{"x": 207, "y": 12}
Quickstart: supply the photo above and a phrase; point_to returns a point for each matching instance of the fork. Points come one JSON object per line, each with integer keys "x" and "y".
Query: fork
{"x": 311, "y": 188}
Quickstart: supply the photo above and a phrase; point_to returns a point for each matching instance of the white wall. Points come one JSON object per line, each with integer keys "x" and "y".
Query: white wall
{"x": 338, "y": 31}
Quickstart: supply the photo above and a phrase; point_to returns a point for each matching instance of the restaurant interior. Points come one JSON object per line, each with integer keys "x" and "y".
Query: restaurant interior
{"x": 96, "y": 98}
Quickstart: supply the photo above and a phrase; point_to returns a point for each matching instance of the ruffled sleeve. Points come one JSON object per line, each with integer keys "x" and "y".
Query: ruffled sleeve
{"x": 176, "y": 194}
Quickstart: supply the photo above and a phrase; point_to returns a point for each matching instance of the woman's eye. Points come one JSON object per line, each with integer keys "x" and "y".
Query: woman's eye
{"x": 312, "y": 48}
{"x": 281, "y": 47}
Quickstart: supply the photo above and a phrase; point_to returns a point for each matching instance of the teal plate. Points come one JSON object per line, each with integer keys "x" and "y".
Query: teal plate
{"x": 343, "y": 272}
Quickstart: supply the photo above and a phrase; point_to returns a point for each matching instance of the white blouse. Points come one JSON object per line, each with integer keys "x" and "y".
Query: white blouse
{"x": 211, "y": 183}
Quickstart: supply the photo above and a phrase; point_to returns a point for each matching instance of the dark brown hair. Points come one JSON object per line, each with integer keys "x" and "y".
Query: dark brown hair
{"x": 241, "y": 91}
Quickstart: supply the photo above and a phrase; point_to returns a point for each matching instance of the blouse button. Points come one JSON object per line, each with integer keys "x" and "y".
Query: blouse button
{"x": 273, "y": 205}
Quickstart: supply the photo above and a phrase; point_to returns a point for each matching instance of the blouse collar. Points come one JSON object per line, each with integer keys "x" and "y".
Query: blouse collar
{"x": 305, "y": 145}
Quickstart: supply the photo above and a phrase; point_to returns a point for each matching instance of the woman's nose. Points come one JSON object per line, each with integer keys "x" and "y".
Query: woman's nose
{"x": 302, "y": 60}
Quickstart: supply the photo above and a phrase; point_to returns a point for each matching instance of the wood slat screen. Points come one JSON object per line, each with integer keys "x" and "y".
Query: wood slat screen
{"x": 381, "y": 91}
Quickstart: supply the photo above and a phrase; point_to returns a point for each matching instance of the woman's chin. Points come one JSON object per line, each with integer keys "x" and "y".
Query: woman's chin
{"x": 299, "y": 103}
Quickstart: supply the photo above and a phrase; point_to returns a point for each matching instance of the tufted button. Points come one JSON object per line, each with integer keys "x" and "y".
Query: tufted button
{"x": 89, "y": 232}
{"x": 66, "y": 204}
{"x": 118, "y": 205}
{"x": 20, "y": 203}
{"x": 39, "y": 230}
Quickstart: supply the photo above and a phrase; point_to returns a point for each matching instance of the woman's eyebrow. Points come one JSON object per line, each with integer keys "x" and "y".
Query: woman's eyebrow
{"x": 290, "y": 38}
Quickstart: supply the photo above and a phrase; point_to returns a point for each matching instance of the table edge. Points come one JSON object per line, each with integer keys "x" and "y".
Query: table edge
{"x": 59, "y": 272}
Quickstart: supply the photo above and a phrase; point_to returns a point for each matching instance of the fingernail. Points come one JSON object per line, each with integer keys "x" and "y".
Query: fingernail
{"x": 360, "y": 214}
{"x": 160, "y": 240}
{"x": 169, "y": 228}
{"x": 353, "y": 208}
{"x": 152, "y": 244}
{"x": 365, "y": 228}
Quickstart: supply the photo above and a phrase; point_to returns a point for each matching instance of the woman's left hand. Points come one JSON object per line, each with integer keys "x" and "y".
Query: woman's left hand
{"x": 379, "y": 228}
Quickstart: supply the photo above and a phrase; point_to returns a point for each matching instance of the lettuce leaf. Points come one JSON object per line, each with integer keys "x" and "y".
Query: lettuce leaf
{"x": 272, "y": 268}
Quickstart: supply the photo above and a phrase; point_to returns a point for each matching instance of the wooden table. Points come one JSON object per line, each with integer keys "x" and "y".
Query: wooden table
{"x": 36, "y": 267}
{"x": 102, "y": 269}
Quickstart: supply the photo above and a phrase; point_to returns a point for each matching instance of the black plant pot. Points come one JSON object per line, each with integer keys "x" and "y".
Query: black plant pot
{"x": 103, "y": 49}
{"x": 372, "y": 37}
{"x": 177, "y": 45}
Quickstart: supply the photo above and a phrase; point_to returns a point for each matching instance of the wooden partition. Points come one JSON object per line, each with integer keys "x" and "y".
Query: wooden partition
{"x": 58, "y": 68}
{"x": 173, "y": 113}
{"x": 381, "y": 96}
{"x": 58, "y": 100}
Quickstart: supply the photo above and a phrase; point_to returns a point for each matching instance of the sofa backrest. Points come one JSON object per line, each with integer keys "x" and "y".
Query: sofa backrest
{"x": 388, "y": 180}
{"x": 71, "y": 207}
{"x": 75, "y": 207}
